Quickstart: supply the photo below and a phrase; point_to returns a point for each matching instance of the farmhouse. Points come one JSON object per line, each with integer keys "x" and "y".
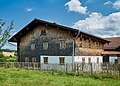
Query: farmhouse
{"x": 47, "y": 43}
{"x": 112, "y": 51}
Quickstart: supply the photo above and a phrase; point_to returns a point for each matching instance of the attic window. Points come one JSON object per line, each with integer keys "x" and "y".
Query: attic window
{"x": 43, "y": 32}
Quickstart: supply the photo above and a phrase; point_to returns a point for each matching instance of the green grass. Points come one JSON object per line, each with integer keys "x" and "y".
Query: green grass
{"x": 22, "y": 77}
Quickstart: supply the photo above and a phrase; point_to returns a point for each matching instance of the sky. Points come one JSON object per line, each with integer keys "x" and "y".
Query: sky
{"x": 97, "y": 17}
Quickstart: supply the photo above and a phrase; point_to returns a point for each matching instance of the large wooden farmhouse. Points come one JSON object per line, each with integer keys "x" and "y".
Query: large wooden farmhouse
{"x": 45, "y": 42}
{"x": 112, "y": 51}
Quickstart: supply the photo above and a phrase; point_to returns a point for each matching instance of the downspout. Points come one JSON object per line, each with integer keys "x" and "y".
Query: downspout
{"x": 73, "y": 53}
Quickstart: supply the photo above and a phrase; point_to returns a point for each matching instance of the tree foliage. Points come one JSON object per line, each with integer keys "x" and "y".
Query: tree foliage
{"x": 4, "y": 34}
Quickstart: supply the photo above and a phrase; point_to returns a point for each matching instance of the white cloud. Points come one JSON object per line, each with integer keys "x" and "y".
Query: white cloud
{"x": 108, "y": 3}
{"x": 75, "y": 5}
{"x": 29, "y": 9}
{"x": 116, "y": 4}
{"x": 100, "y": 25}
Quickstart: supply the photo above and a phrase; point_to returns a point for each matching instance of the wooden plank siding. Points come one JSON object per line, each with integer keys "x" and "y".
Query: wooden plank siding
{"x": 89, "y": 47}
{"x": 53, "y": 37}
{"x": 31, "y": 43}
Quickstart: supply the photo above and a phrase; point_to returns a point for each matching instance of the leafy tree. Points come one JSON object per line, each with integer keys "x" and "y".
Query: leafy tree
{"x": 4, "y": 34}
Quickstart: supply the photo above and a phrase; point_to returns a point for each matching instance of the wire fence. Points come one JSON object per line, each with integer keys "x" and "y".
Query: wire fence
{"x": 107, "y": 68}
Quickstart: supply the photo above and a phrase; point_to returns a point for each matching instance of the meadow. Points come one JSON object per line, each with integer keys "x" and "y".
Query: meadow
{"x": 23, "y": 77}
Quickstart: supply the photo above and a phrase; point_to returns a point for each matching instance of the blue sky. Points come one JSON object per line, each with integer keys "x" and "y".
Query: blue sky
{"x": 97, "y": 17}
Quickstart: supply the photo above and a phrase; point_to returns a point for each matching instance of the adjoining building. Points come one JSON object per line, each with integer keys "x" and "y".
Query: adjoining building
{"x": 46, "y": 42}
{"x": 111, "y": 52}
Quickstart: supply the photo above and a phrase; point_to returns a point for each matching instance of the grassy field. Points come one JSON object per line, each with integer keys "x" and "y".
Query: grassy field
{"x": 22, "y": 77}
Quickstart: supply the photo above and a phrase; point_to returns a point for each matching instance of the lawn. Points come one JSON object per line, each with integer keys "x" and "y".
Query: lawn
{"x": 22, "y": 77}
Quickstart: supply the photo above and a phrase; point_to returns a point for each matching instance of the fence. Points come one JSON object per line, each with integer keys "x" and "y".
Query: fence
{"x": 108, "y": 68}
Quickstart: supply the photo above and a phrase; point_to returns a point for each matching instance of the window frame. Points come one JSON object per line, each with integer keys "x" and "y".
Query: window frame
{"x": 43, "y": 32}
{"x": 89, "y": 60}
{"x": 62, "y": 44}
{"x": 97, "y": 60}
{"x": 32, "y": 46}
{"x": 34, "y": 59}
{"x": 83, "y": 59}
{"x": 26, "y": 59}
{"x": 61, "y": 60}
{"x": 45, "y": 45}
{"x": 45, "y": 60}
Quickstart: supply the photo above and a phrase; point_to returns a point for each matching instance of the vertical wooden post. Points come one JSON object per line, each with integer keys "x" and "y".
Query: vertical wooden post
{"x": 91, "y": 68}
{"x": 107, "y": 67}
{"x": 65, "y": 67}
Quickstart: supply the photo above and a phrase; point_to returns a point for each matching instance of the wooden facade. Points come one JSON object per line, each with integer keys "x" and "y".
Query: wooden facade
{"x": 112, "y": 50}
{"x": 45, "y": 38}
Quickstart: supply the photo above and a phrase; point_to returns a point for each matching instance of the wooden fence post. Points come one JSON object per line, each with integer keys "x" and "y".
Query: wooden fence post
{"x": 91, "y": 68}
{"x": 66, "y": 68}
{"x": 107, "y": 67}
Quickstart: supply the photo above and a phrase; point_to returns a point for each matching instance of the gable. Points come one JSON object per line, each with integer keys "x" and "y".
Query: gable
{"x": 33, "y": 24}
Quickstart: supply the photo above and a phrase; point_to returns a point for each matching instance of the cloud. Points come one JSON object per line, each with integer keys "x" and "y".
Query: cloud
{"x": 100, "y": 25}
{"x": 29, "y": 9}
{"x": 116, "y": 4}
{"x": 108, "y": 3}
{"x": 76, "y": 6}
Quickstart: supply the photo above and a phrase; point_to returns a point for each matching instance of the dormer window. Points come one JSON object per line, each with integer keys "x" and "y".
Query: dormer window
{"x": 43, "y": 32}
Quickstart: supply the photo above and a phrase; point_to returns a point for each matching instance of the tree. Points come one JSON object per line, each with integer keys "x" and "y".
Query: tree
{"x": 4, "y": 34}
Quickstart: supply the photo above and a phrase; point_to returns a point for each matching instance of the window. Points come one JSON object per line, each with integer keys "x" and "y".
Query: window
{"x": 97, "y": 59}
{"x": 32, "y": 46}
{"x": 80, "y": 44}
{"x": 43, "y": 32}
{"x": 83, "y": 59}
{"x": 33, "y": 59}
{"x": 97, "y": 45}
{"x": 89, "y": 44}
{"x": 45, "y": 60}
{"x": 62, "y": 44}
{"x": 26, "y": 59}
{"x": 33, "y": 35}
{"x": 45, "y": 45}
{"x": 62, "y": 60}
{"x": 89, "y": 60}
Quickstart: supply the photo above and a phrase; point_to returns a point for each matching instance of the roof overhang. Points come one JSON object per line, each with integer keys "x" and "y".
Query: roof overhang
{"x": 110, "y": 53}
{"x": 35, "y": 22}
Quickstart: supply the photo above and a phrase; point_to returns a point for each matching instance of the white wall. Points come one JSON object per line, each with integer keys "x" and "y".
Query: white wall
{"x": 112, "y": 58}
{"x": 78, "y": 59}
{"x": 55, "y": 59}
{"x": 53, "y": 63}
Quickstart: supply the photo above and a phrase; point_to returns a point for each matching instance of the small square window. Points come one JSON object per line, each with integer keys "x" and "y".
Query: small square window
{"x": 83, "y": 59}
{"x": 32, "y": 46}
{"x": 45, "y": 60}
{"x": 45, "y": 45}
{"x": 62, "y": 44}
{"x": 81, "y": 44}
{"x": 62, "y": 60}
{"x": 89, "y": 60}
{"x": 97, "y": 59}
{"x": 43, "y": 32}
{"x": 33, "y": 59}
{"x": 26, "y": 59}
